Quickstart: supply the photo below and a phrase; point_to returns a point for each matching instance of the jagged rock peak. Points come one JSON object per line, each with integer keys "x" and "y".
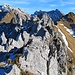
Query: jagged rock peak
{"x": 70, "y": 14}
{"x": 8, "y": 8}
{"x": 54, "y": 14}
{"x": 9, "y": 14}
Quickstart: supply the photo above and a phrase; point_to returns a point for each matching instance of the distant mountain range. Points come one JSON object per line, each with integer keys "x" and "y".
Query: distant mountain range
{"x": 42, "y": 43}
{"x": 54, "y": 14}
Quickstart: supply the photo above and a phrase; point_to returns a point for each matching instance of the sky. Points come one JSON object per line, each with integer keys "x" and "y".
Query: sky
{"x": 30, "y": 6}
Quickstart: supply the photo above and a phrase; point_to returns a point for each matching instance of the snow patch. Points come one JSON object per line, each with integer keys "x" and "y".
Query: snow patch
{"x": 73, "y": 36}
{"x": 64, "y": 39}
{"x": 62, "y": 24}
{"x": 70, "y": 49}
{"x": 0, "y": 10}
{"x": 71, "y": 31}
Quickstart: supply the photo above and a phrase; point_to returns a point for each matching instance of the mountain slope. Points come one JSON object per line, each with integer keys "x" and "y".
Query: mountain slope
{"x": 33, "y": 45}
{"x": 67, "y": 25}
{"x": 69, "y": 21}
{"x": 13, "y": 15}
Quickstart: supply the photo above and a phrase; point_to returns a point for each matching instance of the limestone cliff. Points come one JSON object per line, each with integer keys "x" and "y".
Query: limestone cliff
{"x": 35, "y": 47}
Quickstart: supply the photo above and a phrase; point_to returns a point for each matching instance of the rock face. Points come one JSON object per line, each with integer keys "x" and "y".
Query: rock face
{"x": 33, "y": 47}
{"x": 13, "y": 15}
{"x": 15, "y": 70}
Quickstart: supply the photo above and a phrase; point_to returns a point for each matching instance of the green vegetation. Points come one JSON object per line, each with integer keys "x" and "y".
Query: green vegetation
{"x": 70, "y": 69}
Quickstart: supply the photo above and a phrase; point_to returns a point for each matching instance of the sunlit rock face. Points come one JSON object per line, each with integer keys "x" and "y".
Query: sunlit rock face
{"x": 12, "y": 15}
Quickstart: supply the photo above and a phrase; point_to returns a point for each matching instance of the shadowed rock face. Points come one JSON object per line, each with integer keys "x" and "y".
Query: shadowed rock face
{"x": 32, "y": 47}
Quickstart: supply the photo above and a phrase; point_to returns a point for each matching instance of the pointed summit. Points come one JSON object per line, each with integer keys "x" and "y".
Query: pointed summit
{"x": 54, "y": 14}
{"x": 12, "y": 15}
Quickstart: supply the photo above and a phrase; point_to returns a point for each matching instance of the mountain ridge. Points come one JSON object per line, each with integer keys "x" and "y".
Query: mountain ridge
{"x": 33, "y": 44}
{"x": 54, "y": 14}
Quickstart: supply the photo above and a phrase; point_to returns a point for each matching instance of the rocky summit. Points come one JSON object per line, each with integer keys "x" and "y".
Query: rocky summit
{"x": 33, "y": 44}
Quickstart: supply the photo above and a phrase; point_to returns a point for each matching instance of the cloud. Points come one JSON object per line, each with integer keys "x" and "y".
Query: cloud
{"x": 17, "y": 2}
{"x": 52, "y": 5}
{"x": 72, "y": 8}
{"x": 67, "y": 3}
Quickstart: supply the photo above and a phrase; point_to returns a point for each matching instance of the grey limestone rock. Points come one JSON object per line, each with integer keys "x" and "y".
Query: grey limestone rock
{"x": 36, "y": 46}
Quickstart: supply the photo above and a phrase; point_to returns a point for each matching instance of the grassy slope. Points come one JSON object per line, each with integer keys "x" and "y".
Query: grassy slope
{"x": 70, "y": 39}
{"x": 71, "y": 42}
{"x": 8, "y": 17}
